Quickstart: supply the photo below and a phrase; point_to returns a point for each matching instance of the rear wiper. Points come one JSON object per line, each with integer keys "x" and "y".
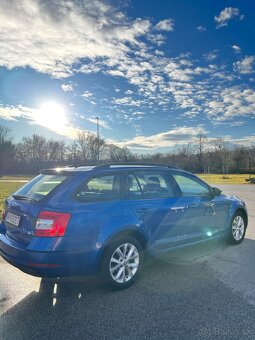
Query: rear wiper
{"x": 24, "y": 198}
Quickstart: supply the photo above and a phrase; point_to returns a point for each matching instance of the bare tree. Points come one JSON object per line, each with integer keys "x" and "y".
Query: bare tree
{"x": 222, "y": 152}
{"x": 89, "y": 146}
{"x": 201, "y": 141}
{"x": 6, "y": 148}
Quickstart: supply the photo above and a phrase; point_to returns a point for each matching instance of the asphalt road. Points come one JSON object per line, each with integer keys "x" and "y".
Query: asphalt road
{"x": 206, "y": 292}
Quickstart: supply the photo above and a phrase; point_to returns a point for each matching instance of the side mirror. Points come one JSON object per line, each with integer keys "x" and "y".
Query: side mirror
{"x": 216, "y": 192}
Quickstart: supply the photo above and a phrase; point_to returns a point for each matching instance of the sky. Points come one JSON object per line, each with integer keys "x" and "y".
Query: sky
{"x": 155, "y": 73}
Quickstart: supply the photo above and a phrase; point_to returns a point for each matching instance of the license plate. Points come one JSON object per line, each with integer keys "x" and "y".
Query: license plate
{"x": 12, "y": 219}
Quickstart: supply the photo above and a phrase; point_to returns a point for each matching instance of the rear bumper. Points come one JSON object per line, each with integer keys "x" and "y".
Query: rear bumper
{"x": 48, "y": 263}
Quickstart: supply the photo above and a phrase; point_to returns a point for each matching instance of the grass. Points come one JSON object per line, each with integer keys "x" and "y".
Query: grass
{"x": 6, "y": 188}
{"x": 225, "y": 179}
{"x": 16, "y": 178}
{"x": 9, "y": 184}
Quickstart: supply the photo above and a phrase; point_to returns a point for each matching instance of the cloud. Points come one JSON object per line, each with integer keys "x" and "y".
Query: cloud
{"x": 164, "y": 139}
{"x": 165, "y": 25}
{"x": 245, "y": 66}
{"x": 227, "y": 14}
{"x": 67, "y": 87}
{"x": 51, "y": 37}
{"x": 128, "y": 101}
{"x": 176, "y": 72}
{"x": 87, "y": 94}
{"x": 37, "y": 117}
{"x": 230, "y": 103}
{"x": 236, "y": 48}
{"x": 101, "y": 122}
{"x": 211, "y": 55}
{"x": 116, "y": 73}
{"x": 201, "y": 28}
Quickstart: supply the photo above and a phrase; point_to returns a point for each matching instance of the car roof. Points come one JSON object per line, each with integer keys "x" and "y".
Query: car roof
{"x": 120, "y": 166}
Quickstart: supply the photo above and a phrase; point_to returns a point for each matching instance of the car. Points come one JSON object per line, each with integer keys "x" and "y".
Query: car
{"x": 105, "y": 219}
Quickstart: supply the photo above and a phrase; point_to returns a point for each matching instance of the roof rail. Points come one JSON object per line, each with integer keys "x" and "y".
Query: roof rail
{"x": 108, "y": 165}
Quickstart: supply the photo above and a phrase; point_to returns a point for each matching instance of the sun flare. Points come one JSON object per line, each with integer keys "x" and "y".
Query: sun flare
{"x": 52, "y": 115}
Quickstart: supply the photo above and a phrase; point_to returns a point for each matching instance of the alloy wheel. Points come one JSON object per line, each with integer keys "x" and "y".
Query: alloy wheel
{"x": 124, "y": 263}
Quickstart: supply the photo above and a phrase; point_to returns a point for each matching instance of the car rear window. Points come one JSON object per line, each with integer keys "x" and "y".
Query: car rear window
{"x": 39, "y": 187}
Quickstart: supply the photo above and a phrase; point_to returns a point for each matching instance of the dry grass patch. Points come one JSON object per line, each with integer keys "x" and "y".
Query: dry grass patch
{"x": 225, "y": 179}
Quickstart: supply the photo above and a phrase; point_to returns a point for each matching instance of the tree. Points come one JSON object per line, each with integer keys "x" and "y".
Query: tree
{"x": 90, "y": 146}
{"x": 6, "y": 148}
{"x": 201, "y": 140}
{"x": 222, "y": 153}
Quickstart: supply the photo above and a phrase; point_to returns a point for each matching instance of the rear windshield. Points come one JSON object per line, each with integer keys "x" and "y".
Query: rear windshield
{"x": 39, "y": 187}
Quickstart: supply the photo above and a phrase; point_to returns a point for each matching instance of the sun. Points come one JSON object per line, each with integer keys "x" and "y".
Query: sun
{"x": 52, "y": 115}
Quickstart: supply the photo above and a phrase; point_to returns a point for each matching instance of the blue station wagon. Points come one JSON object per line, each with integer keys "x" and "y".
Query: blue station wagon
{"x": 104, "y": 219}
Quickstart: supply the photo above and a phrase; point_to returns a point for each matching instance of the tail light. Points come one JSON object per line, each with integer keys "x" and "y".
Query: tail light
{"x": 51, "y": 224}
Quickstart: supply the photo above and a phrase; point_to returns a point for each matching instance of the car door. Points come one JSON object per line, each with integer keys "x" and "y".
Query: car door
{"x": 198, "y": 221}
{"x": 152, "y": 199}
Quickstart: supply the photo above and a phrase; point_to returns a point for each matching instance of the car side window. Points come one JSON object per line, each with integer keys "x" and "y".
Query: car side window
{"x": 101, "y": 188}
{"x": 148, "y": 184}
{"x": 191, "y": 186}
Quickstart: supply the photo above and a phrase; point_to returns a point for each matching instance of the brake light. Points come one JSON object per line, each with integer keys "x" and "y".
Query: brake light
{"x": 51, "y": 224}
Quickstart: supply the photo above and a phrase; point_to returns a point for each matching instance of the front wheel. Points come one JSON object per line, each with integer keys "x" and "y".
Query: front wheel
{"x": 237, "y": 229}
{"x": 121, "y": 262}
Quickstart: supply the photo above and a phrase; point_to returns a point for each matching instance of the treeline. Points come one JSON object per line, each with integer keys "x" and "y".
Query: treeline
{"x": 202, "y": 156}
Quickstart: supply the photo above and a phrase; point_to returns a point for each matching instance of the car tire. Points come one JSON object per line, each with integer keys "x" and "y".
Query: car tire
{"x": 121, "y": 262}
{"x": 237, "y": 228}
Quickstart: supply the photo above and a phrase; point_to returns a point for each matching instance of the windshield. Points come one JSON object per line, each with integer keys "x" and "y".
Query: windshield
{"x": 39, "y": 187}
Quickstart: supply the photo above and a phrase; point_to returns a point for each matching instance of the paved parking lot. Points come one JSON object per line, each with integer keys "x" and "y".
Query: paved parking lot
{"x": 206, "y": 292}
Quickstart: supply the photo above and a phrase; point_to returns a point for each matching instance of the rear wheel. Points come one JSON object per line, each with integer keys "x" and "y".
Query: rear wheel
{"x": 237, "y": 229}
{"x": 122, "y": 262}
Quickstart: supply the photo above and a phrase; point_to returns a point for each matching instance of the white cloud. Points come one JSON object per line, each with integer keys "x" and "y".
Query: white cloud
{"x": 67, "y": 87}
{"x": 87, "y": 94}
{"x": 245, "y": 66}
{"x": 129, "y": 92}
{"x": 230, "y": 103}
{"x": 175, "y": 72}
{"x": 163, "y": 139}
{"x": 236, "y": 48}
{"x": 116, "y": 73}
{"x": 127, "y": 101}
{"x": 101, "y": 122}
{"x": 165, "y": 25}
{"x": 211, "y": 55}
{"x": 227, "y": 14}
{"x": 201, "y": 28}
{"x": 51, "y": 36}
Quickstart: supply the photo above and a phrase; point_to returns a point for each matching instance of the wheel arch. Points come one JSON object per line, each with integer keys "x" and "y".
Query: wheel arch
{"x": 120, "y": 235}
{"x": 243, "y": 212}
